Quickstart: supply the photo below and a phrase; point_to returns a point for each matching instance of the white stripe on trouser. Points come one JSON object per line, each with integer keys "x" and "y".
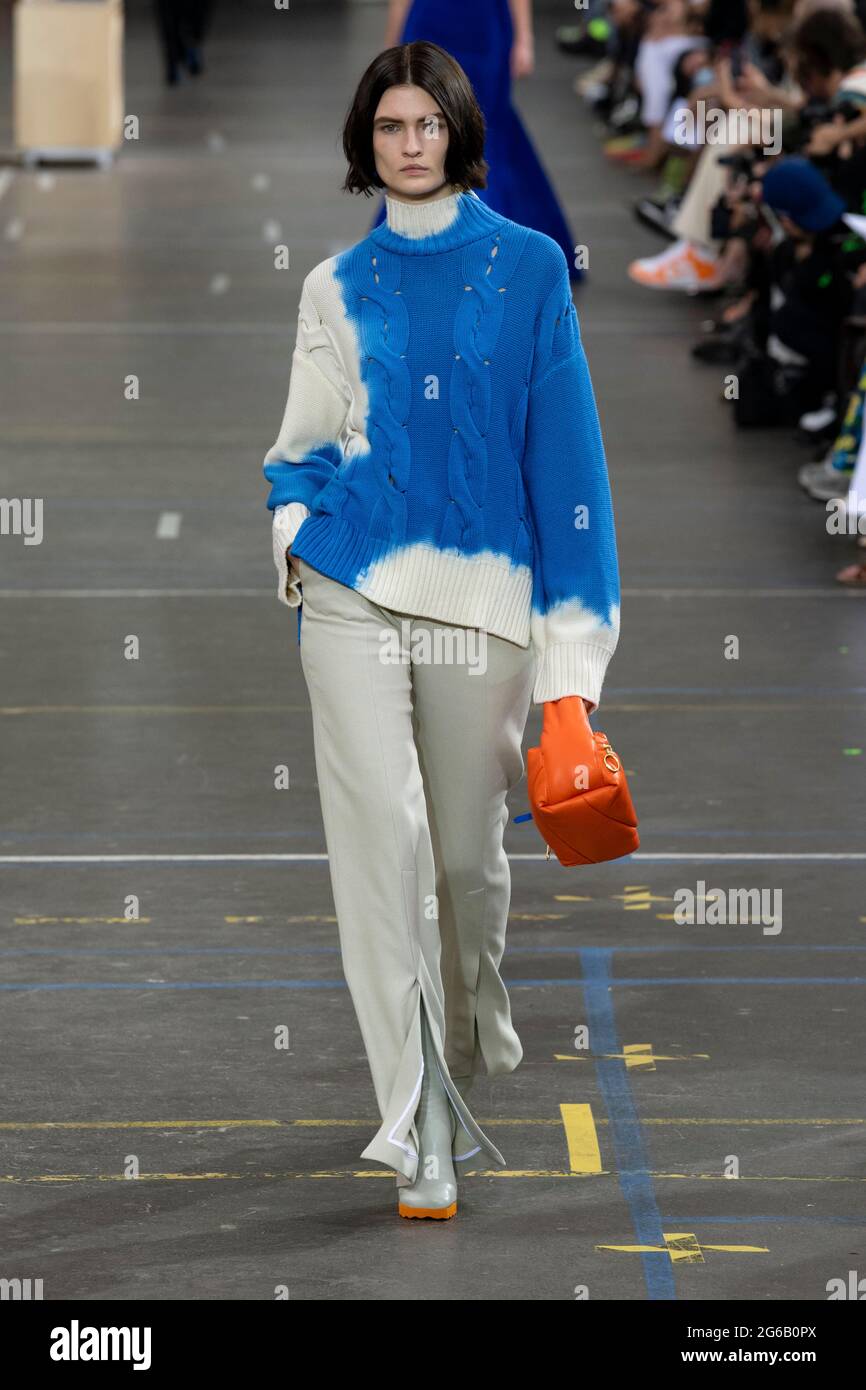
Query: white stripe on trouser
{"x": 414, "y": 758}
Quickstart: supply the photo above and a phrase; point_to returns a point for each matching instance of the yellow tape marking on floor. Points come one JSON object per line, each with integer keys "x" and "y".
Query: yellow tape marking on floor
{"x": 639, "y": 1056}
{"x": 278, "y": 919}
{"x": 630, "y": 1060}
{"x": 684, "y": 1249}
{"x": 584, "y": 1155}
{"x": 327, "y": 1123}
{"x": 387, "y": 1173}
{"x": 537, "y": 916}
{"x": 80, "y": 921}
{"x": 257, "y": 1177}
{"x": 637, "y": 898}
{"x": 141, "y": 1124}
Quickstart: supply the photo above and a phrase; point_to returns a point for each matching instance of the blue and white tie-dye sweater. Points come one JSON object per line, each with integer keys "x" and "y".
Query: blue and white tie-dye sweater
{"x": 440, "y": 450}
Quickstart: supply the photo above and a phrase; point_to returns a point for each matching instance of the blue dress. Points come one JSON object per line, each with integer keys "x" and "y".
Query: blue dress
{"x": 479, "y": 35}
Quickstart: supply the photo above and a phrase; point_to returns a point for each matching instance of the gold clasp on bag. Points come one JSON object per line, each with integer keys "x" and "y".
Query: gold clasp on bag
{"x": 609, "y": 753}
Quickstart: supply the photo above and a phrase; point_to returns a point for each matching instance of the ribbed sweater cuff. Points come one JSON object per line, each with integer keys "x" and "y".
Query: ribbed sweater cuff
{"x": 288, "y": 519}
{"x": 571, "y": 668}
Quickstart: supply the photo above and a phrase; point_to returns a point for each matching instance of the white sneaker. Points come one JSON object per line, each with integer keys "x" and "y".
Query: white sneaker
{"x": 824, "y": 482}
{"x": 815, "y": 421}
{"x": 683, "y": 266}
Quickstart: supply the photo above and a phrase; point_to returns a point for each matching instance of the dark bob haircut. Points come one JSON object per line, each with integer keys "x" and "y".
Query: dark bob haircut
{"x": 426, "y": 65}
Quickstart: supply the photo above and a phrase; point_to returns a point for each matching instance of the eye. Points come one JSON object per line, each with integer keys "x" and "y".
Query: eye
{"x": 392, "y": 125}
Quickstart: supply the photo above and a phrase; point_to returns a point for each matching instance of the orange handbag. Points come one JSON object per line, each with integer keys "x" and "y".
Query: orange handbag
{"x": 577, "y": 789}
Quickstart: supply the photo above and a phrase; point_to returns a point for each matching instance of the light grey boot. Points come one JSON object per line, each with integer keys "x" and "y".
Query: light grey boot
{"x": 434, "y": 1191}
{"x": 463, "y": 1147}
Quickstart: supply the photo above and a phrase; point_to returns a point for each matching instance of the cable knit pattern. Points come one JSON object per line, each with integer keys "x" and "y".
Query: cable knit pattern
{"x": 440, "y": 450}
{"x": 372, "y": 294}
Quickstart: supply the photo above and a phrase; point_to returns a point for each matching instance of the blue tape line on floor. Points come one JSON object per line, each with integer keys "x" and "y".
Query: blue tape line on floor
{"x": 625, "y": 1128}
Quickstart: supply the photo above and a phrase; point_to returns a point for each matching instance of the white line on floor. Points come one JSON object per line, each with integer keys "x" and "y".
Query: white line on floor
{"x": 168, "y": 526}
{"x": 322, "y": 858}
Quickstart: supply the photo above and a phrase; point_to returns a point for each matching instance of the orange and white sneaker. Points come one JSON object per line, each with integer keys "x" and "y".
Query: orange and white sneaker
{"x": 681, "y": 267}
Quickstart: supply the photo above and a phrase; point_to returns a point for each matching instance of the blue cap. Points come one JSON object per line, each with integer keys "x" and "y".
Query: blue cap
{"x": 795, "y": 187}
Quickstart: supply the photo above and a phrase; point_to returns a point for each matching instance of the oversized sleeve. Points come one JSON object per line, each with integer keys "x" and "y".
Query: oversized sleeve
{"x": 307, "y": 451}
{"x": 576, "y": 594}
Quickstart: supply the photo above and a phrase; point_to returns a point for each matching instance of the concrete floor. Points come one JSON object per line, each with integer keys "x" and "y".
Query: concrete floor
{"x": 152, "y": 1041}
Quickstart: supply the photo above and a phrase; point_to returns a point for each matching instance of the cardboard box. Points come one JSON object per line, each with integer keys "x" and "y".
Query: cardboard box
{"x": 68, "y": 77}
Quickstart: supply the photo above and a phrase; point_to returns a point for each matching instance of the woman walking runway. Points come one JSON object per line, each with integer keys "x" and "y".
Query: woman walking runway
{"x": 439, "y": 438}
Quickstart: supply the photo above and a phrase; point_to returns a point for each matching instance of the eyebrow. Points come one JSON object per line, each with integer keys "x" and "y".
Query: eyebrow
{"x": 398, "y": 120}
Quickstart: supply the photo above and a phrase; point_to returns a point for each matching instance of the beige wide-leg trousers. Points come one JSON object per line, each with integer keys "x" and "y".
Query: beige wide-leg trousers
{"x": 417, "y": 736}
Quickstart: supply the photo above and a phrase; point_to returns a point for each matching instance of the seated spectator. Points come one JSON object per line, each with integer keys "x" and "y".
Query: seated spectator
{"x": 751, "y": 79}
{"x": 808, "y": 291}
{"x": 780, "y": 223}
{"x": 670, "y": 33}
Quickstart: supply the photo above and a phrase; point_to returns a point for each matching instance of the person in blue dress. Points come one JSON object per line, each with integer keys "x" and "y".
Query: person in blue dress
{"x": 492, "y": 41}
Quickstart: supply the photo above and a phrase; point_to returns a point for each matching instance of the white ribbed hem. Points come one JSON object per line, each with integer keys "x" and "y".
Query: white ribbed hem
{"x": 466, "y": 590}
{"x": 571, "y": 668}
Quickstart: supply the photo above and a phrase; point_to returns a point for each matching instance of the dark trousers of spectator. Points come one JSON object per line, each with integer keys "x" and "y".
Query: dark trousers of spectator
{"x": 183, "y": 25}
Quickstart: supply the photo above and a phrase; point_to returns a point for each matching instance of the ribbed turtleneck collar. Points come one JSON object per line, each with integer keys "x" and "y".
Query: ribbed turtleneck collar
{"x": 439, "y": 225}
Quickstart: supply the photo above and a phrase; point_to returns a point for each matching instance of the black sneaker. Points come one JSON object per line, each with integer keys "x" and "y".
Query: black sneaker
{"x": 658, "y": 214}
{"x": 723, "y": 345}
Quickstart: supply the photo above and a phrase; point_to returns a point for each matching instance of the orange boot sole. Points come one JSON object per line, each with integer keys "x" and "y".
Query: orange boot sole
{"x": 435, "y": 1213}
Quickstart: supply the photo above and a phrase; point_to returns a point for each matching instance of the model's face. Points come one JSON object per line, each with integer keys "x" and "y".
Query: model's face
{"x": 410, "y": 141}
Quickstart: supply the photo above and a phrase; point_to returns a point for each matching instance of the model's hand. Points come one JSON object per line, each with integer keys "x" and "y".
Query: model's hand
{"x": 288, "y": 578}
{"x": 567, "y": 746}
{"x": 566, "y": 698}
{"x": 287, "y": 522}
